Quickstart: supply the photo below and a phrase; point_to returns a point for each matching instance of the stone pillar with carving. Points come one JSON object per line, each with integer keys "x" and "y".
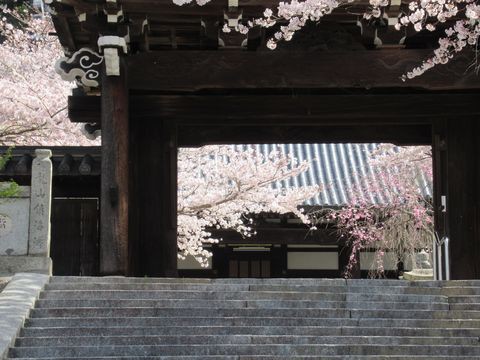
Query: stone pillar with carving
{"x": 25, "y": 222}
{"x": 40, "y": 208}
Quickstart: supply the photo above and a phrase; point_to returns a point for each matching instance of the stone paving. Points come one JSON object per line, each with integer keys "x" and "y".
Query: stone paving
{"x": 3, "y": 282}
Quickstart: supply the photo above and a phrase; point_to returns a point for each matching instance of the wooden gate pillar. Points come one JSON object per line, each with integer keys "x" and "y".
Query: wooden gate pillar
{"x": 115, "y": 174}
{"x": 457, "y": 160}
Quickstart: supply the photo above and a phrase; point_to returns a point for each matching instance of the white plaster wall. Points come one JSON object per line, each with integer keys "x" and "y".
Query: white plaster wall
{"x": 312, "y": 260}
{"x": 14, "y": 223}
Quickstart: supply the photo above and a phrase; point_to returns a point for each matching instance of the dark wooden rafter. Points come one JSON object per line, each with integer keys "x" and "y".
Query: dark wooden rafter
{"x": 186, "y": 22}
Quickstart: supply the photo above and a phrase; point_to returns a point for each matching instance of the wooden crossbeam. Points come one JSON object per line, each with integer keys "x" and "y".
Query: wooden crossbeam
{"x": 198, "y": 70}
{"x": 260, "y": 110}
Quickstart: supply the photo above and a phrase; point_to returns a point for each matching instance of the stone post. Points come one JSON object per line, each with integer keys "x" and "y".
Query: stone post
{"x": 40, "y": 204}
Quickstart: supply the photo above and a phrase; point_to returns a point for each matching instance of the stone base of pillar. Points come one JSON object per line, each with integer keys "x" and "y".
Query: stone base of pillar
{"x": 10, "y": 265}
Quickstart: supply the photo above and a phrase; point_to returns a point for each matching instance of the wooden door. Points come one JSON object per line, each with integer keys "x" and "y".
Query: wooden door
{"x": 249, "y": 264}
{"x": 75, "y": 238}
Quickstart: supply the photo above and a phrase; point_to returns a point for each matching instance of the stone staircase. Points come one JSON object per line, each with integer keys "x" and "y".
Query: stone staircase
{"x": 242, "y": 319}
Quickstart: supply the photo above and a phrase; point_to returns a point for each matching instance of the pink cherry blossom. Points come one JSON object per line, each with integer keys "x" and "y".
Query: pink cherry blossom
{"x": 33, "y": 98}
{"x": 401, "y": 222}
{"x": 220, "y": 186}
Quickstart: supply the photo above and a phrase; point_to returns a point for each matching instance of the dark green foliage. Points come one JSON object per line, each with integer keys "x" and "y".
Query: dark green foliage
{"x": 8, "y": 188}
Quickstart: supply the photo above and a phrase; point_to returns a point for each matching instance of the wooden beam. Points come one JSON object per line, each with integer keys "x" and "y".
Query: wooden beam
{"x": 257, "y": 109}
{"x": 280, "y": 235}
{"x": 396, "y": 134}
{"x": 199, "y": 70}
{"x": 84, "y": 109}
{"x": 115, "y": 175}
{"x": 63, "y": 32}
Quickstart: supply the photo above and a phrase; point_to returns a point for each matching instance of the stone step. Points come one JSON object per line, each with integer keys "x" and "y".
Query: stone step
{"x": 415, "y": 314}
{"x": 368, "y": 289}
{"x": 266, "y": 357}
{"x": 190, "y": 312}
{"x": 186, "y": 295}
{"x": 280, "y": 287}
{"x": 192, "y": 295}
{"x": 240, "y": 339}
{"x": 465, "y": 299}
{"x": 243, "y": 349}
{"x": 227, "y": 281}
{"x": 459, "y": 290}
{"x": 271, "y": 311}
{"x": 242, "y": 319}
{"x": 355, "y": 357}
{"x": 297, "y": 281}
{"x": 465, "y": 306}
{"x": 248, "y": 330}
{"x": 248, "y": 321}
{"x": 122, "y": 303}
{"x": 234, "y": 295}
{"x": 396, "y": 297}
{"x": 419, "y": 283}
{"x": 187, "y": 321}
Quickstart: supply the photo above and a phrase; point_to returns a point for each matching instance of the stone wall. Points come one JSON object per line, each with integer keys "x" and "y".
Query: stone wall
{"x": 25, "y": 222}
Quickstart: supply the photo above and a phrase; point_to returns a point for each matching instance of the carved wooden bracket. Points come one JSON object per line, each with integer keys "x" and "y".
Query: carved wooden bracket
{"x": 84, "y": 67}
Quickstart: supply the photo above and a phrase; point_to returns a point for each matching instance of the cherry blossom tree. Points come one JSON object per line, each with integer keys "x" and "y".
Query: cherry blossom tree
{"x": 399, "y": 220}
{"x": 430, "y": 15}
{"x": 220, "y": 186}
{"x": 33, "y": 99}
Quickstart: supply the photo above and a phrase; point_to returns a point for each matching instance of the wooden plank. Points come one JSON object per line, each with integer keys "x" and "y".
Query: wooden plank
{"x": 155, "y": 198}
{"x": 66, "y": 237}
{"x": 198, "y": 70}
{"x": 89, "y": 217}
{"x": 115, "y": 175}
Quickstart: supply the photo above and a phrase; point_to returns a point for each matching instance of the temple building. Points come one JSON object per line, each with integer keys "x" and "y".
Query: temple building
{"x": 154, "y": 76}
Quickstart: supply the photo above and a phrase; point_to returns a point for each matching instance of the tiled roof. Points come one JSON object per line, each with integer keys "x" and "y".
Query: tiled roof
{"x": 335, "y": 167}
